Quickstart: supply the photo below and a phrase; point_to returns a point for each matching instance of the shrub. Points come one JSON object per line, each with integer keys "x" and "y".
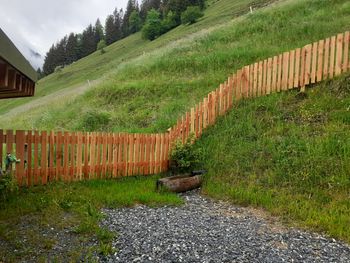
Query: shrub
{"x": 191, "y": 15}
{"x": 184, "y": 156}
{"x": 101, "y": 46}
{"x": 8, "y": 185}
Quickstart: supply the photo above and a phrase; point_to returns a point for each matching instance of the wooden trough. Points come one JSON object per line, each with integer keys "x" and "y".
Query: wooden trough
{"x": 181, "y": 183}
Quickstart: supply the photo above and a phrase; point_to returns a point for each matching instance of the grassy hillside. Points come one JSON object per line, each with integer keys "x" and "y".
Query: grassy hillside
{"x": 287, "y": 153}
{"x": 148, "y": 92}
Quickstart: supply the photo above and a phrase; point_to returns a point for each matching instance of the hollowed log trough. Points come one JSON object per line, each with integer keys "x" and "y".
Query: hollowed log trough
{"x": 181, "y": 183}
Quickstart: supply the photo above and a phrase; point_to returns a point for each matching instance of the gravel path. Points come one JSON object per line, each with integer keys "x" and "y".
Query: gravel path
{"x": 206, "y": 231}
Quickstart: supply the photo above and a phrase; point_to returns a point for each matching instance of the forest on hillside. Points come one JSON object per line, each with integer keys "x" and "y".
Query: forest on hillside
{"x": 152, "y": 17}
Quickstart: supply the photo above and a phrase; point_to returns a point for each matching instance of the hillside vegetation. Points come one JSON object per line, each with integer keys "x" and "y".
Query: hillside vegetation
{"x": 147, "y": 85}
{"x": 288, "y": 153}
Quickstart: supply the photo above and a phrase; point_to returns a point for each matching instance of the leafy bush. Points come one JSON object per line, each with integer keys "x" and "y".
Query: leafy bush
{"x": 8, "y": 185}
{"x": 101, "y": 46}
{"x": 191, "y": 15}
{"x": 153, "y": 26}
{"x": 184, "y": 157}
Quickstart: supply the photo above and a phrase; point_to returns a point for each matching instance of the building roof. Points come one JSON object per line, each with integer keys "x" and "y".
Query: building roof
{"x": 13, "y": 56}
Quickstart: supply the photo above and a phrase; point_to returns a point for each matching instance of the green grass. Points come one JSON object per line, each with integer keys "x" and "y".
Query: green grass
{"x": 287, "y": 154}
{"x": 32, "y": 221}
{"x": 148, "y": 93}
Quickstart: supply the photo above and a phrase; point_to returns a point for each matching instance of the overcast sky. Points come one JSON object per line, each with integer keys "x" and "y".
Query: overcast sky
{"x": 34, "y": 25}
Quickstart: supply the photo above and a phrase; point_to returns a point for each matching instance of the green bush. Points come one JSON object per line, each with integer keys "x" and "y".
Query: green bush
{"x": 184, "y": 157}
{"x": 191, "y": 15}
{"x": 101, "y": 46}
{"x": 153, "y": 26}
{"x": 8, "y": 185}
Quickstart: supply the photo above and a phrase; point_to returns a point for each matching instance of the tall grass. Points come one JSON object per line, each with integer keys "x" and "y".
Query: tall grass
{"x": 149, "y": 93}
{"x": 288, "y": 154}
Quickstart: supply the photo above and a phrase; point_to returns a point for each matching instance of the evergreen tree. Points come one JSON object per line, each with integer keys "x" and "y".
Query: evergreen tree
{"x": 134, "y": 22}
{"x": 131, "y": 6}
{"x": 118, "y": 23}
{"x": 147, "y": 5}
{"x": 71, "y": 48}
{"x": 110, "y": 30}
{"x": 98, "y": 31}
{"x": 88, "y": 41}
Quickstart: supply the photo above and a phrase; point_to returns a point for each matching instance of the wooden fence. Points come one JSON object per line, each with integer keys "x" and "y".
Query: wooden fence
{"x": 81, "y": 156}
{"x": 77, "y": 156}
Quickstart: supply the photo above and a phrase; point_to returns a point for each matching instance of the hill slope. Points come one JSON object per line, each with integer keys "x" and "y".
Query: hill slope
{"x": 288, "y": 153}
{"x": 147, "y": 85}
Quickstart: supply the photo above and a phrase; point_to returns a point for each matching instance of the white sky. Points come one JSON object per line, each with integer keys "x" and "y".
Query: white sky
{"x": 37, "y": 24}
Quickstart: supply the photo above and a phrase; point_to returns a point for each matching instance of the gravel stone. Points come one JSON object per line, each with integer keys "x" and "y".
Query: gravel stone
{"x": 204, "y": 230}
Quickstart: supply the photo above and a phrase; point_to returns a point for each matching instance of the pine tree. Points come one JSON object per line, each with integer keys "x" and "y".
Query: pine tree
{"x": 134, "y": 22}
{"x": 98, "y": 31}
{"x": 118, "y": 23}
{"x": 110, "y": 30}
{"x": 130, "y": 7}
{"x": 88, "y": 41}
{"x": 71, "y": 48}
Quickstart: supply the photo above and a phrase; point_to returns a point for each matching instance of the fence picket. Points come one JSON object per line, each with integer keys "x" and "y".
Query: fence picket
{"x": 269, "y": 88}
{"x": 20, "y": 144}
{"x": 346, "y": 64}
{"x": 285, "y": 71}
{"x": 314, "y": 62}
{"x": 332, "y": 56}
{"x": 43, "y": 163}
{"x": 320, "y": 60}
{"x": 291, "y": 69}
{"x": 29, "y": 156}
{"x": 339, "y": 55}
{"x": 297, "y": 68}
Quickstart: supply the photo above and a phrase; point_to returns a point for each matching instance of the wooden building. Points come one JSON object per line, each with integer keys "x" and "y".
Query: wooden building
{"x": 17, "y": 76}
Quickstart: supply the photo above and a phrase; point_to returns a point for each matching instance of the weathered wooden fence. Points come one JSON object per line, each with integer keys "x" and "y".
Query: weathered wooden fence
{"x": 80, "y": 156}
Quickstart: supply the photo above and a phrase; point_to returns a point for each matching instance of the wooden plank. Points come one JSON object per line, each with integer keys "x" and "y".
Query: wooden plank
{"x": 98, "y": 155}
{"x": 192, "y": 120}
{"x": 86, "y": 142}
{"x": 238, "y": 90}
{"x": 285, "y": 71}
{"x": 339, "y": 55}
{"x": 332, "y": 57}
{"x": 245, "y": 78}
{"x": 260, "y": 78}
{"x": 130, "y": 153}
{"x": 73, "y": 142}
{"x": 117, "y": 151}
{"x": 148, "y": 154}
{"x": 51, "y": 171}
{"x": 79, "y": 155}
{"x": 20, "y": 140}
{"x": 326, "y": 58}
{"x": 302, "y": 67}
{"x": 320, "y": 60}
{"x": 269, "y": 88}
{"x": 229, "y": 94}
{"x": 109, "y": 168}
{"x": 66, "y": 156}
{"x": 200, "y": 118}
{"x": 279, "y": 73}
{"x": 346, "y": 64}
{"x": 274, "y": 74}
{"x": 152, "y": 155}
{"x": 104, "y": 155}
{"x": 297, "y": 68}
{"x": 314, "y": 62}
{"x": 161, "y": 152}
{"x": 137, "y": 155}
{"x": 158, "y": 151}
{"x": 125, "y": 153}
{"x": 36, "y": 170}
{"x": 291, "y": 69}
{"x": 93, "y": 155}
{"x": 251, "y": 80}
{"x": 29, "y": 159}
{"x": 43, "y": 163}
{"x": 142, "y": 154}
{"x": 255, "y": 80}
{"x": 205, "y": 113}
{"x": 196, "y": 121}
{"x": 264, "y": 84}
{"x": 307, "y": 75}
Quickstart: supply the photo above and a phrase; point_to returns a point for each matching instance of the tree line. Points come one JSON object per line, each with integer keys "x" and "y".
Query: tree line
{"x": 153, "y": 18}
